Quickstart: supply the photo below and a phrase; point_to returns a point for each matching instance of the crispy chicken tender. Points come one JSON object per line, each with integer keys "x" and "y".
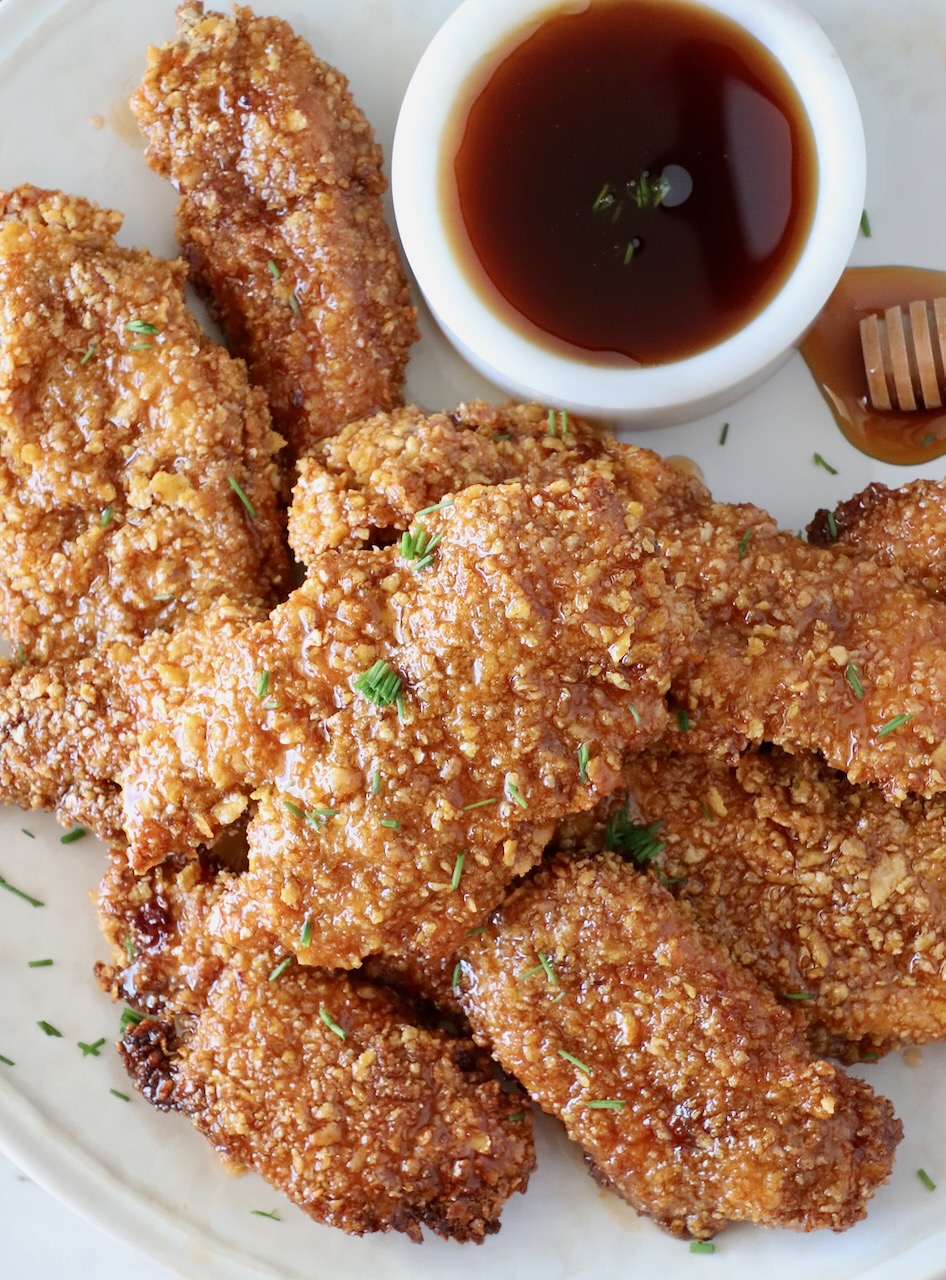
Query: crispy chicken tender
{"x": 122, "y": 433}
{"x": 904, "y": 528}
{"x": 70, "y": 730}
{"x": 692, "y": 1092}
{"x": 280, "y": 216}
{"x": 782, "y": 625}
{"x": 834, "y": 898}
{"x": 396, "y": 807}
{"x": 319, "y": 1081}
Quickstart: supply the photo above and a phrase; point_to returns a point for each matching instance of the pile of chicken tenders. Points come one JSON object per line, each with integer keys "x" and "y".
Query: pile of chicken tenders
{"x": 446, "y": 760}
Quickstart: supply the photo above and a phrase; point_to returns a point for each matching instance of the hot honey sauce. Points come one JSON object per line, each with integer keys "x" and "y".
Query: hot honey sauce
{"x": 634, "y": 181}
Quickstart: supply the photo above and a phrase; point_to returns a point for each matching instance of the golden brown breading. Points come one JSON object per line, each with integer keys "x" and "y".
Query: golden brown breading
{"x": 782, "y": 625}
{"x": 122, "y": 430}
{"x": 70, "y": 730}
{"x": 904, "y": 528}
{"x": 834, "y": 898}
{"x": 692, "y": 1092}
{"x": 280, "y": 215}
{"x": 320, "y": 1082}
{"x": 543, "y": 622}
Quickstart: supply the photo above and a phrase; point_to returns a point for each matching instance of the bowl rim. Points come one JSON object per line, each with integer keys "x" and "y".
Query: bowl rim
{"x": 472, "y": 36}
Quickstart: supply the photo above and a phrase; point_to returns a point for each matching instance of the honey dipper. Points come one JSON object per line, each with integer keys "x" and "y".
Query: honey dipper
{"x": 905, "y": 355}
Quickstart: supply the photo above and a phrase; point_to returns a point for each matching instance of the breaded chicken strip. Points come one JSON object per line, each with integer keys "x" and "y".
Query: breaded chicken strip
{"x": 280, "y": 216}
{"x": 412, "y": 722}
{"x": 904, "y": 528}
{"x": 137, "y": 481}
{"x": 319, "y": 1081}
{"x": 795, "y": 645}
{"x": 694, "y": 1095}
{"x": 70, "y": 730}
{"x": 834, "y": 899}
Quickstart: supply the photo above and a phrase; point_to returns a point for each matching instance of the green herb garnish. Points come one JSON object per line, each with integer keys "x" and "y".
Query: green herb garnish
{"x": 926, "y": 1179}
{"x": 262, "y": 684}
{"x": 261, "y": 1213}
{"x": 376, "y": 782}
{"x": 683, "y": 721}
{"x": 604, "y": 199}
{"x": 130, "y": 1018}
{"x": 34, "y": 902}
{"x": 558, "y": 424}
{"x": 294, "y": 305}
{"x": 273, "y": 269}
{"x": 438, "y": 506}
{"x": 116, "y": 1093}
{"x": 515, "y": 795}
{"x": 392, "y": 823}
{"x": 457, "y": 870}
{"x": 744, "y": 544}
{"x": 89, "y": 353}
{"x": 332, "y": 1024}
{"x": 39, "y": 964}
{"x": 239, "y": 491}
{"x": 584, "y": 752}
{"x": 832, "y": 524}
{"x": 294, "y": 809}
{"x": 20, "y": 655}
{"x": 516, "y": 1117}
{"x": 702, "y": 1246}
{"x": 379, "y": 684}
{"x": 606, "y": 1104}
{"x": 636, "y": 839}
{"x": 305, "y": 937}
{"x": 724, "y": 434}
{"x": 819, "y": 461}
{"x": 928, "y": 440}
{"x": 48, "y": 1029}
{"x": 418, "y": 546}
{"x": 91, "y": 1050}
{"x": 480, "y": 804}
{"x": 280, "y": 968}
{"x": 27, "y": 832}
{"x": 853, "y": 677}
{"x": 576, "y": 1062}
{"x": 457, "y": 975}
{"x": 77, "y": 833}
{"x": 318, "y": 817}
{"x": 7, "y": 1062}
{"x": 635, "y": 715}
{"x": 800, "y": 995}
{"x": 141, "y": 326}
{"x": 865, "y": 225}
{"x": 105, "y": 518}
{"x": 893, "y": 725}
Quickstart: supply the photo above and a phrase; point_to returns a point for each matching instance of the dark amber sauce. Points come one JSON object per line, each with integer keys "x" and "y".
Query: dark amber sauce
{"x": 832, "y": 351}
{"x": 588, "y": 103}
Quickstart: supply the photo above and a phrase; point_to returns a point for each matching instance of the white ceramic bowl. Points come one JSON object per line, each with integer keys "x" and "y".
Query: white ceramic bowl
{"x": 481, "y": 32}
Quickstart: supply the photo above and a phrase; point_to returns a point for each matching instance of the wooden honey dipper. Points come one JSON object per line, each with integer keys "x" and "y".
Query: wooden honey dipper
{"x": 905, "y": 355}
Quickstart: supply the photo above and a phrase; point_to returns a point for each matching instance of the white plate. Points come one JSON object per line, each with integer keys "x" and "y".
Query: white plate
{"x": 149, "y": 1178}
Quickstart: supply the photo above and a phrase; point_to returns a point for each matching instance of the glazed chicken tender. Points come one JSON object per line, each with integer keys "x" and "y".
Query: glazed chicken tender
{"x": 126, "y": 442}
{"x": 280, "y": 217}
{"x": 319, "y": 1081}
{"x": 692, "y": 1092}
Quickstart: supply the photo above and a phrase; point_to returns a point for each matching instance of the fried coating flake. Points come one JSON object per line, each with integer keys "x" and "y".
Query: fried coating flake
{"x": 122, "y": 433}
{"x": 319, "y": 1081}
{"x": 280, "y": 217}
{"x": 835, "y": 899}
{"x": 396, "y": 806}
{"x": 691, "y": 1090}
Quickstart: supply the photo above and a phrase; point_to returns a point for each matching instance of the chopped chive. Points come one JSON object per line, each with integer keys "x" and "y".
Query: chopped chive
{"x": 116, "y": 1093}
{"x": 475, "y": 933}
{"x": 683, "y": 721}
{"x": 819, "y": 461}
{"x": 893, "y": 725}
{"x": 89, "y": 353}
{"x": 516, "y": 1117}
{"x": 457, "y": 975}
{"x": 928, "y": 440}
{"x": 744, "y": 544}
{"x": 392, "y": 823}
{"x": 832, "y": 526}
{"x": 238, "y": 490}
{"x": 39, "y": 964}
{"x": 702, "y": 1246}
{"x": 800, "y": 995}
{"x": 294, "y": 809}
{"x": 318, "y": 817}
{"x": 7, "y": 1062}
{"x": 636, "y": 839}
{"x": 168, "y": 595}
{"x": 558, "y": 423}
{"x": 502, "y": 435}
{"x": 853, "y": 677}
{"x": 584, "y": 752}
{"x": 629, "y": 252}
{"x": 606, "y": 1104}
{"x": 91, "y": 1050}
{"x": 635, "y": 715}
{"x": 418, "y": 546}
{"x": 380, "y": 684}
{"x": 707, "y": 812}
{"x": 141, "y": 326}
{"x": 399, "y": 703}
{"x": 724, "y": 434}
{"x": 530, "y": 973}
{"x": 480, "y": 804}
{"x": 273, "y": 269}
{"x": 865, "y": 225}
{"x": 261, "y": 1213}
{"x": 457, "y": 870}
{"x": 77, "y": 833}
{"x": 20, "y": 654}
{"x": 515, "y": 795}
{"x": 926, "y": 1179}
{"x": 105, "y": 518}
{"x": 332, "y": 1024}
{"x": 305, "y": 937}
{"x": 262, "y": 684}
{"x": 376, "y": 782}
{"x": 576, "y": 1062}
{"x": 438, "y": 506}
{"x": 555, "y": 999}
{"x": 604, "y": 199}
{"x": 870, "y": 1057}
{"x": 280, "y": 968}
{"x": 27, "y": 832}
{"x": 141, "y": 346}
{"x": 34, "y": 902}
{"x": 547, "y": 966}
{"x": 130, "y": 1018}
{"x": 48, "y": 1029}
{"x": 294, "y": 305}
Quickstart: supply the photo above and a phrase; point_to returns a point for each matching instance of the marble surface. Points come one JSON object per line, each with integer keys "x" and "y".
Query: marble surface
{"x": 43, "y": 1240}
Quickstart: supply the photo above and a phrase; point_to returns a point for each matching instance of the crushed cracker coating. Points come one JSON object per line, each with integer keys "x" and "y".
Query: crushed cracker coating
{"x": 727, "y": 1116}
{"x": 149, "y": 437}
{"x": 280, "y": 216}
{"x": 395, "y": 1127}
